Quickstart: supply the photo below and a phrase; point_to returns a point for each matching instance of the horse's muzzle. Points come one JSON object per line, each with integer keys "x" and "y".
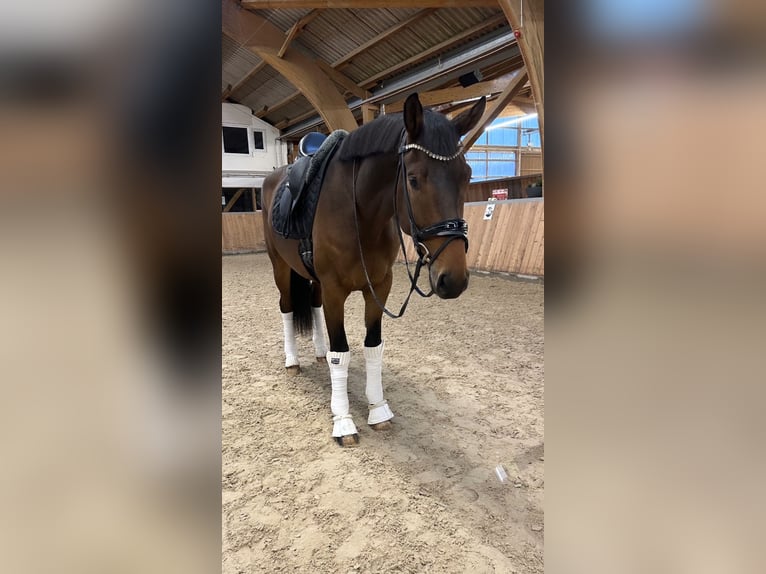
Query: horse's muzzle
{"x": 450, "y": 285}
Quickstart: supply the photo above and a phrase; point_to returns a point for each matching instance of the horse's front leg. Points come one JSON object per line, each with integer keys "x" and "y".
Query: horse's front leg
{"x": 380, "y": 413}
{"x": 343, "y": 429}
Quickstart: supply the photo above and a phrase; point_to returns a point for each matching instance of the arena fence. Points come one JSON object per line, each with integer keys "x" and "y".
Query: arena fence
{"x": 510, "y": 241}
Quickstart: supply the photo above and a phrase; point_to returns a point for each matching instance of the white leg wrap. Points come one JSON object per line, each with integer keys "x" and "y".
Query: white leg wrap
{"x": 342, "y": 423}
{"x": 319, "y": 334}
{"x": 379, "y": 409}
{"x": 291, "y": 348}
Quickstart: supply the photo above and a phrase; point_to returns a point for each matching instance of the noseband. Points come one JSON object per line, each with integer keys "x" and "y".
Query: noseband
{"x": 450, "y": 228}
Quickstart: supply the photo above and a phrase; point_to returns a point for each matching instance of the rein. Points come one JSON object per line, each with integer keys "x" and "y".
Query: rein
{"x": 450, "y": 228}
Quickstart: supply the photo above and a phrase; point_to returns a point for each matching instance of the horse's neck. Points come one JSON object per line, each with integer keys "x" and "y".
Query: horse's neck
{"x": 375, "y": 188}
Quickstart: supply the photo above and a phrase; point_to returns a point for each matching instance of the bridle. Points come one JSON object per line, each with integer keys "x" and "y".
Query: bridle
{"x": 450, "y": 228}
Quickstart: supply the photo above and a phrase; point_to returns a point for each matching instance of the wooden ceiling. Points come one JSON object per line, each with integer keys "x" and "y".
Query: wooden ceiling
{"x": 283, "y": 58}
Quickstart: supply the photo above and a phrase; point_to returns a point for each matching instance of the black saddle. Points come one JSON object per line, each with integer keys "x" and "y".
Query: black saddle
{"x": 297, "y": 173}
{"x": 297, "y": 196}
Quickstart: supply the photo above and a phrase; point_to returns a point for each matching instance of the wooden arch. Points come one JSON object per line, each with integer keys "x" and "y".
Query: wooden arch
{"x": 266, "y": 40}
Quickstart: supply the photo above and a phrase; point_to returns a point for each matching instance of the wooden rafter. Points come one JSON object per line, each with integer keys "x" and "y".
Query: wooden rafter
{"x": 532, "y": 46}
{"x": 233, "y": 200}
{"x": 494, "y": 21}
{"x": 513, "y": 88}
{"x": 382, "y": 36}
{"x": 290, "y": 121}
{"x": 368, "y": 113}
{"x": 258, "y": 34}
{"x": 295, "y": 4}
{"x": 445, "y": 95}
{"x": 280, "y": 104}
{"x": 257, "y": 68}
{"x": 296, "y": 29}
{"x": 511, "y": 110}
{"x": 342, "y": 80}
{"x": 226, "y": 93}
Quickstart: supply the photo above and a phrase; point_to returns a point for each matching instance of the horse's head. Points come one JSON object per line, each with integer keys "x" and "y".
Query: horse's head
{"x": 436, "y": 176}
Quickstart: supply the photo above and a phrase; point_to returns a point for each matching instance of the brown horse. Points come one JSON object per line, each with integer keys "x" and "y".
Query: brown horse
{"x": 402, "y": 171}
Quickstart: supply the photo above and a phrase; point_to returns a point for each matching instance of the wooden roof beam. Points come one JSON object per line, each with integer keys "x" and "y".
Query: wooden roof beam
{"x": 287, "y": 122}
{"x": 302, "y": 4}
{"x": 280, "y": 104}
{"x": 446, "y": 95}
{"x": 512, "y": 89}
{"x": 494, "y": 21}
{"x": 382, "y": 36}
{"x": 511, "y": 110}
{"x": 258, "y": 67}
{"x": 296, "y": 29}
{"x": 262, "y": 37}
{"x": 532, "y": 46}
{"x": 342, "y": 80}
{"x": 226, "y": 93}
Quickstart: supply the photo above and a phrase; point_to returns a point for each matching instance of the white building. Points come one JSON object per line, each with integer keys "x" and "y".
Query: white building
{"x": 250, "y": 150}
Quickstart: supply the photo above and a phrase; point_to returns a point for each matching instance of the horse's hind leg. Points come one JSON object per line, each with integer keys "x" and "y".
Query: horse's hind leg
{"x": 343, "y": 430}
{"x": 380, "y": 413}
{"x": 319, "y": 330}
{"x": 282, "y": 279}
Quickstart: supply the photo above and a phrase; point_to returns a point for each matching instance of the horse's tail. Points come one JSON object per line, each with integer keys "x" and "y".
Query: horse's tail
{"x": 300, "y": 297}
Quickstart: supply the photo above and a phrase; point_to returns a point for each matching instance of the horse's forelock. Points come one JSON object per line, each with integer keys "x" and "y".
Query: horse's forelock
{"x": 440, "y": 135}
{"x": 384, "y": 136}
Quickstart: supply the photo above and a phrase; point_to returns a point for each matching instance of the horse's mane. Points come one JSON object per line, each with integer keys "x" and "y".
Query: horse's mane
{"x": 383, "y": 135}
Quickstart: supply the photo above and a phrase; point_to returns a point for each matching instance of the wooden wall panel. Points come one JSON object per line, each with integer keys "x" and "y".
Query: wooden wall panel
{"x": 242, "y": 232}
{"x": 531, "y": 163}
{"x": 513, "y": 241}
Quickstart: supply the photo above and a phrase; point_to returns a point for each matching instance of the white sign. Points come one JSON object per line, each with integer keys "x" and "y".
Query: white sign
{"x": 489, "y": 211}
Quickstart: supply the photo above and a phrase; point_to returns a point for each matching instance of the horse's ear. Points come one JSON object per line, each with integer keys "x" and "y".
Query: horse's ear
{"x": 413, "y": 116}
{"x": 469, "y": 118}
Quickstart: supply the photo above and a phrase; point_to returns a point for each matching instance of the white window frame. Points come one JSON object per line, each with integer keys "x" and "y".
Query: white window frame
{"x": 252, "y": 150}
{"x": 251, "y": 135}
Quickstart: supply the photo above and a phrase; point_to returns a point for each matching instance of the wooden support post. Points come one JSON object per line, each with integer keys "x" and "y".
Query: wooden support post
{"x": 531, "y": 44}
{"x": 296, "y": 29}
{"x": 342, "y": 80}
{"x": 265, "y": 39}
{"x": 233, "y": 200}
{"x": 498, "y": 106}
{"x": 447, "y": 95}
{"x": 368, "y": 113}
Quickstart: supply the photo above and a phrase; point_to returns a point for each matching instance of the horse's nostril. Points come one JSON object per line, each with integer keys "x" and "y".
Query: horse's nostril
{"x": 441, "y": 283}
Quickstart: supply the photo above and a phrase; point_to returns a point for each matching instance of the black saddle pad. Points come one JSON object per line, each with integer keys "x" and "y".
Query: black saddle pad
{"x": 292, "y": 214}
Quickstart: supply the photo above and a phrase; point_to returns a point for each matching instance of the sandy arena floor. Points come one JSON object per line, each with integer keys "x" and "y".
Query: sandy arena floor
{"x": 465, "y": 381}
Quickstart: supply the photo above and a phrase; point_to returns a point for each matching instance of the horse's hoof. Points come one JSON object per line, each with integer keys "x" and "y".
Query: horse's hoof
{"x": 293, "y": 370}
{"x": 322, "y": 360}
{"x": 348, "y": 440}
{"x": 384, "y": 426}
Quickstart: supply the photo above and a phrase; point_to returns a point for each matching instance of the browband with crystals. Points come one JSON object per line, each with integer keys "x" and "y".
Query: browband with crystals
{"x": 431, "y": 154}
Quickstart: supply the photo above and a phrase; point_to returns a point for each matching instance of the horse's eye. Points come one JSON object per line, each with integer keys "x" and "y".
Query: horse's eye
{"x": 413, "y": 181}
